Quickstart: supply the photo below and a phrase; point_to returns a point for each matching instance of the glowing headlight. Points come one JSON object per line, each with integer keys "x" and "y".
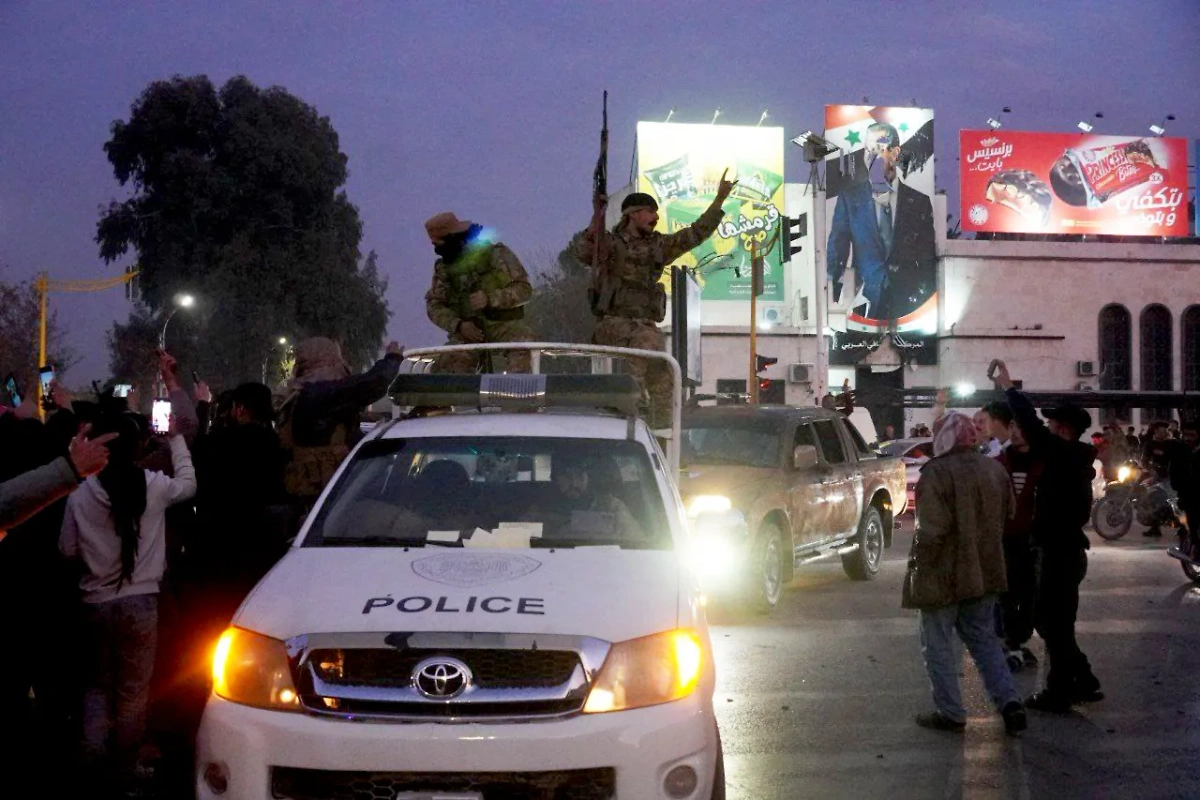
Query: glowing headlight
{"x": 253, "y": 670}
{"x": 708, "y": 503}
{"x": 714, "y": 555}
{"x": 1124, "y": 474}
{"x": 647, "y": 671}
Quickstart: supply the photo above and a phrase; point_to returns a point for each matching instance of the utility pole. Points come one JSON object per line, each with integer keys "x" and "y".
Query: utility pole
{"x": 44, "y": 286}
{"x": 755, "y": 288}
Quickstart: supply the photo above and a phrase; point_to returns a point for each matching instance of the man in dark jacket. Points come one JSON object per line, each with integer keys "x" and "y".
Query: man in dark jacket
{"x": 1061, "y": 509}
{"x": 319, "y": 419}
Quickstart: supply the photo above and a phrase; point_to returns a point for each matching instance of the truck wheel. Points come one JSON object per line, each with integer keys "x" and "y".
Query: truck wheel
{"x": 863, "y": 563}
{"x": 767, "y": 569}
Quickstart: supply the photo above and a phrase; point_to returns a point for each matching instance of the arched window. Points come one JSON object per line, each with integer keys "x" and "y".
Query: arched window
{"x": 1190, "y": 350}
{"x": 1156, "y": 355}
{"x": 1116, "y": 355}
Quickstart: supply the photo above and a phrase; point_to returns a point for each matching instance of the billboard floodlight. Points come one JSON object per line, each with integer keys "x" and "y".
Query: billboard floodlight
{"x": 1161, "y": 128}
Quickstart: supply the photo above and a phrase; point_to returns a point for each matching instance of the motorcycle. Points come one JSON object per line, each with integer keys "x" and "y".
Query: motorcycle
{"x": 1135, "y": 494}
{"x": 1188, "y": 554}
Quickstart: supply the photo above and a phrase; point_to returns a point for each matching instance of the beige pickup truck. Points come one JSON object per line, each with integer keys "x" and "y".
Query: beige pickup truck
{"x": 768, "y": 488}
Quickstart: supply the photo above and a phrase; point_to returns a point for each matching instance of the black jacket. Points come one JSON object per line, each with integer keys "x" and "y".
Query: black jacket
{"x": 1063, "y": 503}
{"x": 321, "y": 407}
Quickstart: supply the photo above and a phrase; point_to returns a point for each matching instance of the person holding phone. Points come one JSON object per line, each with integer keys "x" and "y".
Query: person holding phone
{"x": 30, "y": 492}
{"x": 115, "y": 525}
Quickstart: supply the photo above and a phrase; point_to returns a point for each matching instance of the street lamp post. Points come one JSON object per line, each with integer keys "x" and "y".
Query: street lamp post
{"x": 181, "y": 301}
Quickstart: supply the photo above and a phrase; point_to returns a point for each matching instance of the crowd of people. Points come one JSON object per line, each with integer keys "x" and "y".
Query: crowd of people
{"x": 125, "y": 551}
{"x": 1000, "y": 551}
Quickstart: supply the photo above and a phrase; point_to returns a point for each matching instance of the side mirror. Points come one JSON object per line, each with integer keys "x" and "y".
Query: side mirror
{"x": 804, "y": 457}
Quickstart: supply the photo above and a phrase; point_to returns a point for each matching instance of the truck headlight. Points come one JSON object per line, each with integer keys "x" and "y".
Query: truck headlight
{"x": 647, "y": 671}
{"x": 253, "y": 670}
{"x": 708, "y": 503}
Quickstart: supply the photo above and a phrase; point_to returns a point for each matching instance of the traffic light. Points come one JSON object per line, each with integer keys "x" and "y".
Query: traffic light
{"x": 762, "y": 362}
{"x": 793, "y": 230}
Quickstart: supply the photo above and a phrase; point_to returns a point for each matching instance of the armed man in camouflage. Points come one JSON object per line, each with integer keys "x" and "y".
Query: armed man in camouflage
{"x": 478, "y": 294}
{"x": 626, "y": 294}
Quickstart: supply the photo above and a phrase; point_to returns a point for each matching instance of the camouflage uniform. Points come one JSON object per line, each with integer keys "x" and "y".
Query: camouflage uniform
{"x": 637, "y": 263}
{"x": 491, "y": 268}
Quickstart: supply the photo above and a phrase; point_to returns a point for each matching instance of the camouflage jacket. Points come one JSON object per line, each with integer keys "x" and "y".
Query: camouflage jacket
{"x": 491, "y": 268}
{"x": 636, "y": 263}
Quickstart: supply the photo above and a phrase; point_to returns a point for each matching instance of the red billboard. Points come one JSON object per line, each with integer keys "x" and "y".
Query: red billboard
{"x": 1021, "y": 182}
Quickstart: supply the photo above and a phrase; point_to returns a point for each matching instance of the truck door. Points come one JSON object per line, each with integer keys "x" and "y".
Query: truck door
{"x": 838, "y": 477}
{"x": 806, "y": 495}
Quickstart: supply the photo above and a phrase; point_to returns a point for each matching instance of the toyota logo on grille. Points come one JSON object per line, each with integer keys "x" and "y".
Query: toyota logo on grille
{"x": 442, "y": 678}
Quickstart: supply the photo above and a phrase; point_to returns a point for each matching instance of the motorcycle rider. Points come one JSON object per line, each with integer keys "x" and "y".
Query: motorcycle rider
{"x": 1061, "y": 509}
{"x": 1169, "y": 459}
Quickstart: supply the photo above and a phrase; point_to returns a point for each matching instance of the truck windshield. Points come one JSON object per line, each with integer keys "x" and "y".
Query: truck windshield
{"x": 747, "y": 445}
{"x": 497, "y": 492}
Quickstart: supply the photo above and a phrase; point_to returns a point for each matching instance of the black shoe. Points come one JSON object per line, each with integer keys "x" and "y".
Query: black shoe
{"x": 1087, "y": 690}
{"x": 1015, "y": 720}
{"x": 936, "y": 721}
{"x": 1045, "y": 701}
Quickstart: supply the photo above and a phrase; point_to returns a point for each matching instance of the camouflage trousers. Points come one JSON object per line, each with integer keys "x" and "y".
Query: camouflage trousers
{"x": 655, "y": 376}
{"x": 515, "y": 360}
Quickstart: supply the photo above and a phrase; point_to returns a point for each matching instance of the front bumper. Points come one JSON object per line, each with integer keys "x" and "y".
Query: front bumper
{"x": 642, "y": 746}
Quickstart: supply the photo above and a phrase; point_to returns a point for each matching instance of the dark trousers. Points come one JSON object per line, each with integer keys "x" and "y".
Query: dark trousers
{"x": 1017, "y": 604}
{"x": 1059, "y": 574}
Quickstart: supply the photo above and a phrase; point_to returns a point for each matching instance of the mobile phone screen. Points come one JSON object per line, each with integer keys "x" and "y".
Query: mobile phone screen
{"x": 160, "y": 416}
{"x": 121, "y": 390}
{"x": 46, "y": 376}
{"x": 14, "y": 393}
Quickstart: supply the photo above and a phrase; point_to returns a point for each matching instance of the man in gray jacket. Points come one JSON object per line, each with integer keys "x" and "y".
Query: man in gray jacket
{"x": 956, "y": 572}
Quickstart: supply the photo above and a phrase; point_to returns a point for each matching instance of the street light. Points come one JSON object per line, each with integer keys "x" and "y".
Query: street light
{"x": 1161, "y": 128}
{"x": 181, "y": 301}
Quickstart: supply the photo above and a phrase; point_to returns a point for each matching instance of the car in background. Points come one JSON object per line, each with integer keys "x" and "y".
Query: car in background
{"x": 914, "y": 453}
{"x": 794, "y": 484}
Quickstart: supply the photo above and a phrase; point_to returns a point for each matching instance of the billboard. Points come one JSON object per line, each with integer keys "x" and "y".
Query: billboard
{"x": 881, "y": 251}
{"x": 680, "y": 166}
{"x": 1073, "y": 183}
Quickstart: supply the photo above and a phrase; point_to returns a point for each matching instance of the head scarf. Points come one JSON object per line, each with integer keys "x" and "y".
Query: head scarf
{"x": 317, "y": 359}
{"x": 952, "y": 430}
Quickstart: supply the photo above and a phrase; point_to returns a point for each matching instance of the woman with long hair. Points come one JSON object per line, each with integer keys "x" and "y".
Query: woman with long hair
{"x": 115, "y": 525}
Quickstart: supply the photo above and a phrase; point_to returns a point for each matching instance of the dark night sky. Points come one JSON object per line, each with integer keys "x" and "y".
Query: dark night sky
{"x": 492, "y": 109}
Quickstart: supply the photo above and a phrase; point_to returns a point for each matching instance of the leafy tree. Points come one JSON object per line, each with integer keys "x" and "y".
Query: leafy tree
{"x": 237, "y": 199}
{"x": 19, "y": 316}
{"x": 559, "y": 310}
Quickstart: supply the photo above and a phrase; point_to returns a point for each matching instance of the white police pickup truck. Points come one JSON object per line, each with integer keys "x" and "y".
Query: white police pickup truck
{"x": 491, "y": 600}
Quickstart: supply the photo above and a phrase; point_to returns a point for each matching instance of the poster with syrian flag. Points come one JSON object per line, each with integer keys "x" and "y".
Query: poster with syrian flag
{"x": 881, "y": 252}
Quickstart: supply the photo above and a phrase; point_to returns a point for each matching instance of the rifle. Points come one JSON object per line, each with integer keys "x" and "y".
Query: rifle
{"x": 602, "y": 288}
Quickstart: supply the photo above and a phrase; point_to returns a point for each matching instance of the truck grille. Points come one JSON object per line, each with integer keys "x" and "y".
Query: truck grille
{"x": 497, "y": 669}
{"x": 293, "y": 783}
{"x": 508, "y": 677}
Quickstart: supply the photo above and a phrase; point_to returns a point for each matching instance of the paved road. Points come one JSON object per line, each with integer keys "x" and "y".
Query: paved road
{"x": 818, "y": 700}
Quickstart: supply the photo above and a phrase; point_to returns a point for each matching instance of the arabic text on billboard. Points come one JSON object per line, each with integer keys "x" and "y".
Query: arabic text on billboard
{"x": 681, "y": 166}
{"x": 881, "y": 254}
{"x": 1020, "y": 182}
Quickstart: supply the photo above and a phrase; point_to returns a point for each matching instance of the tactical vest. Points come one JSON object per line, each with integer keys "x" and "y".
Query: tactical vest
{"x": 638, "y": 297}
{"x": 309, "y": 469}
{"x": 473, "y": 272}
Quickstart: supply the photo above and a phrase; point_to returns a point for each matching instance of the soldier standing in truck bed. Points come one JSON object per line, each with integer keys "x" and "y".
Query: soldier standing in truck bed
{"x": 478, "y": 294}
{"x": 626, "y": 294}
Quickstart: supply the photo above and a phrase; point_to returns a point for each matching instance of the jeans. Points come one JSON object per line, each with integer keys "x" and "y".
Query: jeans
{"x": 855, "y": 227}
{"x": 973, "y": 621}
{"x": 122, "y": 635}
{"x": 1059, "y": 576}
{"x": 1018, "y": 602}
